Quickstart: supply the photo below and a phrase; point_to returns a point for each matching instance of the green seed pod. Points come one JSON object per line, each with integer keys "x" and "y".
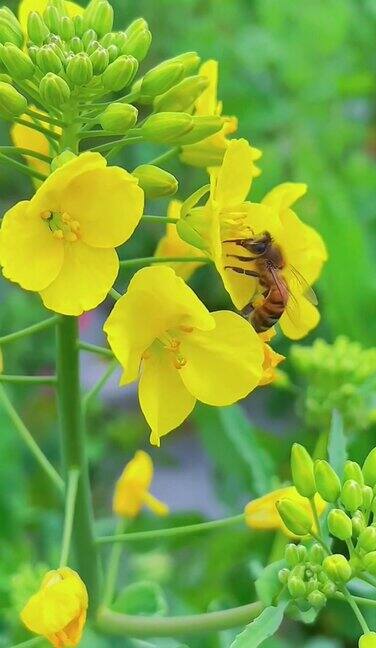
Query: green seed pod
{"x": 182, "y": 96}
{"x": 154, "y": 181}
{"x": 353, "y": 471}
{"x": 339, "y": 524}
{"x": 99, "y": 60}
{"x": 327, "y": 481}
{"x": 98, "y": 15}
{"x": 337, "y": 568}
{"x": 296, "y": 587}
{"x": 316, "y": 554}
{"x": 10, "y": 28}
{"x": 36, "y": 28}
{"x": 80, "y": 69}
{"x": 119, "y": 73}
{"x": 48, "y": 60}
{"x": 358, "y": 523}
{"x": 294, "y": 516}
{"x": 17, "y": 63}
{"x": 302, "y": 471}
{"x": 76, "y": 45}
{"x": 369, "y": 562}
{"x": 63, "y": 158}
{"x": 160, "y": 79}
{"x": 292, "y": 555}
{"x": 88, "y": 37}
{"x": 166, "y": 128}
{"x": 66, "y": 28}
{"x": 78, "y": 25}
{"x": 138, "y": 40}
{"x": 369, "y": 469}
{"x": 113, "y": 52}
{"x": 118, "y": 118}
{"x": 202, "y": 127}
{"x": 367, "y": 539}
{"x": 368, "y": 640}
{"x": 51, "y": 18}
{"x": 12, "y": 103}
{"x": 367, "y": 494}
{"x": 189, "y": 60}
{"x": 283, "y": 575}
{"x": 317, "y": 599}
{"x": 54, "y": 91}
{"x": 351, "y": 495}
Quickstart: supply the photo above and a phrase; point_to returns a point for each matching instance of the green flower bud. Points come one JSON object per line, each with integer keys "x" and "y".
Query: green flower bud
{"x": 166, "y": 128}
{"x": 63, "y": 158}
{"x": 355, "y": 564}
{"x": 119, "y": 73}
{"x": 80, "y": 69}
{"x": 33, "y": 51}
{"x": 76, "y": 45}
{"x": 108, "y": 39}
{"x": 283, "y": 575}
{"x": 66, "y": 28}
{"x": 327, "y": 481}
{"x": 17, "y": 62}
{"x": 59, "y": 6}
{"x": 293, "y": 556}
{"x": 51, "y": 18}
{"x": 189, "y": 60}
{"x": 113, "y": 52}
{"x": 369, "y": 562}
{"x": 78, "y": 25}
{"x": 202, "y": 127}
{"x": 353, "y": 471}
{"x": 99, "y": 15}
{"x": 99, "y": 60}
{"x": 358, "y": 523}
{"x": 337, "y": 568}
{"x": 294, "y": 516}
{"x": 302, "y": 471}
{"x": 339, "y": 524}
{"x": 154, "y": 181}
{"x": 189, "y": 234}
{"x": 159, "y": 79}
{"x": 10, "y": 28}
{"x": 329, "y": 589}
{"x": 92, "y": 47}
{"x": 88, "y": 37}
{"x": 351, "y": 495}
{"x": 12, "y": 103}
{"x": 136, "y": 25}
{"x": 181, "y": 97}
{"x": 296, "y": 587}
{"x": 138, "y": 40}
{"x": 369, "y": 469}
{"x": 316, "y": 554}
{"x": 367, "y": 494}
{"x": 36, "y": 28}
{"x": 48, "y": 60}
{"x": 118, "y": 117}
{"x": 54, "y": 91}
{"x": 316, "y": 599}
{"x": 367, "y": 539}
{"x": 368, "y": 640}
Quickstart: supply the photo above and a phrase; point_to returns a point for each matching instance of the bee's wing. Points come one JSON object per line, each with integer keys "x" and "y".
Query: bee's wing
{"x": 303, "y": 285}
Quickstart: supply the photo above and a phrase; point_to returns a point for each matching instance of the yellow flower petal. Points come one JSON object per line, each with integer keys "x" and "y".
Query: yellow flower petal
{"x": 299, "y": 318}
{"x": 164, "y": 399}
{"x": 206, "y": 104}
{"x": 26, "y": 6}
{"x": 234, "y": 177}
{"x": 132, "y": 486}
{"x": 284, "y": 195}
{"x": 155, "y": 505}
{"x": 25, "y": 137}
{"x": 223, "y": 365}
{"x": 86, "y": 276}
{"x": 29, "y": 254}
{"x": 271, "y": 358}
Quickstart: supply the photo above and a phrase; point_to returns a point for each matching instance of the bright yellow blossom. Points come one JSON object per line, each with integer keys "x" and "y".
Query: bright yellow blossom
{"x": 271, "y": 358}
{"x": 62, "y": 242}
{"x": 58, "y": 610}
{"x": 183, "y": 353}
{"x": 210, "y": 151}
{"x": 171, "y": 245}
{"x": 26, "y": 6}
{"x": 262, "y": 514}
{"x": 29, "y": 138}
{"x": 132, "y": 489}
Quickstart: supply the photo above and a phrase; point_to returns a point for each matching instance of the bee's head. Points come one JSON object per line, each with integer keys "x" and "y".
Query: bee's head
{"x": 259, "y": 245}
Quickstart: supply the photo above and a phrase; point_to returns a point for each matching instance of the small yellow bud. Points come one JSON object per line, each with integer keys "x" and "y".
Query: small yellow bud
{"x": 80, "y": 69}
{"x": 167, "y": 128}
{"x": 119, "y": 117}
{"x": 302, "y": 471}
{"x": 159, "y": 79}
{"x": 181, "y": 97}
{"x": 189, "y": 60}
{"x": 54, "y": 91}
{"x": 327, "y": 481}
{"x": 17, "y": 62}
{"x": 119, "y": 73}
{"x": 369, "y": 469}
{"x": 154, "y": 181}
{"x": 368, "y": 640}
{"x": 337, "y": 568}
{"x": 12, "y": 103}
{"x": 339, "y": 524}
{"x": 36, "y": 28}
{"x": 294, "y": 516}
{"x": 351, "y": 495}
{"x": 138, "y": 39}
{"x": 353, "y": 471}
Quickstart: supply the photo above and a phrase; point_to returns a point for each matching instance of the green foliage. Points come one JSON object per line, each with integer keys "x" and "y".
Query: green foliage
{"x": 144, "y": 597}
{"x": 261, "y": 628}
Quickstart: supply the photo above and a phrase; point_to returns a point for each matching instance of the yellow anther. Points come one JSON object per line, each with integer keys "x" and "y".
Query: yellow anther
{"x": 179, "y": 362}
{"x": 186, "y": 329}
{"x": 65, "y": 217}
{"x": 58, "y": 234}
{"x": 175, "y": 344}
{"x": 146, "y": 355}
{"x": 71, "y": 237}
{"x": 75, "y": 226}
{"x": 45, "y": 215}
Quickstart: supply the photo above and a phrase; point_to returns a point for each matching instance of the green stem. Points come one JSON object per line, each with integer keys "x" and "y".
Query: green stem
{"x": 33, "y": 380}
{"x": 165, "y": 156}
{"x": 22, "y": 167}
{"x": 114, "y": 294}
{"x": 102, "y": 148}
{"x": 70, "y": 504}
{"x": 158, "y": 219}
{"x": 95, "y": 390}
{"x": 93, "y": 348}
{"x": 368, "y": 579}
{"x": 315, "y": 516}
{"x": 321, "y": 542}
{"x": 128, "y": 263}
{"x": 114, "y": 623}
{"x": 113, "y": 567}
{"x": 29, "y": 440}
{"x": 30, "y": 642}
{"x": 45, "y": 118}
{"x": 360, "y": 600}
{"x": 350, "y": 547}
{"x": 74, "y": 453}
{"x": 350, "y": 599}
{"x": 172, "y": 532}
{"x": 29, "y": 330}
{"x": 16, "y": 150}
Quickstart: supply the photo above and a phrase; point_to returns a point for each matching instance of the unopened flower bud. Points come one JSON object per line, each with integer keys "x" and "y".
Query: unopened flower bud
{"x": 119, "y": 73}
{"x": 329, "y": 589}
{"x": 59, "y": 6}
{"x": 166, "y": 128}
{"x": 138, "y": 40}
{"x": 352, "y": 470}
{"x": 17, "y": 62}
{"x": 80, "y": 69}
{"x": 54, "y": 91}
{"x": 108, "y": 39}
{"x": 339, "y": 524}
{"x": 78, "y": 25}
{"x": 367, "y": 539}
{"x": 368, "y": 640}
{"x": 294, "y": 516}
{"x": 113, "y": 52}
{"x": 369, "y": 469}
{"x": 327, "y": 481}
{"x": 358, "y": 523}
{"x": 92, "y": 47}
{"x": 47, "y": 60}
{"x": 189, "y": 60}
{"x": 12, "y": 103}
{"x": 63, "y": 158}
{"x": 369, "y": 562}
{"x": 118, "y": 117}
{"x": 182, "y": 96}
{"x": 293, "y": 555}
{"x": 159, "y": 79}
{"x": 88, "y": 37}
{"x": 51, "y": 18}
{"x": 316, "y": 599}
{"x": 302, "y": 471}
{"x": 351, "y": 495}
{"x": 316, "y": 554}
{"x": 99, "y": 60}
{"x": 154, "y": 181}
{"x": 283, "y": 575}
{"x": 296, "y": 587}
{"x": 337, "y": 568}
{"x": 76, "y": 45}
{"x": 36, "y": 28}
{"x": 10, "y": 28}
{"x": 98, "y": 15}
{"x": 367, "y": 494}
{"x": 202, "y": 127}
{"x": 66, "y": 28}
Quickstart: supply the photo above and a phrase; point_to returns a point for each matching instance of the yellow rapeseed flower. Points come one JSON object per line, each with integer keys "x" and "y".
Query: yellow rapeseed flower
{"x": 183, "y": 353}
{"x": 132, "y": 489}
{"x": 210, "y": 151}
{"x": 27, "y": 6}
{"x": 171, "y": 245}
{"x": 26, "y": 137}
{"x": 58, "y": 610}
{"x": 271, "y": 358}
{"x": 62, "y": 242}
{"x": 262, "y": 514}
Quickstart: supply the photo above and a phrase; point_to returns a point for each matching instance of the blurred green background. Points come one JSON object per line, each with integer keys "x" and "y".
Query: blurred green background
{"x": 300, "y": 76}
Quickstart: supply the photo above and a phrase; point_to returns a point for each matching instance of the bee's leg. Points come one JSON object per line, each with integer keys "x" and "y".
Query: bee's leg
{"x": 240, "y": 258}
{"x": 247, "y": 310}
{"x": 243, "y": 271}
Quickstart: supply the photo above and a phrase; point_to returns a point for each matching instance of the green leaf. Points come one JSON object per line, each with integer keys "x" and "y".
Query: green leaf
{"x": 268, "y": 585}
{"x": 337, "y": 444}
{"x": 261, "y": 628}
{"x": 144, "y": 597}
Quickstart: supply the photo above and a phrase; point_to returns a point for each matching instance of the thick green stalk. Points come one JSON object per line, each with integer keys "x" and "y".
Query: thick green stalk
{"x": 129, "y": 263}
{"x": 74, "y": 454}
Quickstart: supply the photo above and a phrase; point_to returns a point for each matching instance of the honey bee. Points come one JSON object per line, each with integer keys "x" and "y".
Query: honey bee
{"x": 269, "y": 262}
